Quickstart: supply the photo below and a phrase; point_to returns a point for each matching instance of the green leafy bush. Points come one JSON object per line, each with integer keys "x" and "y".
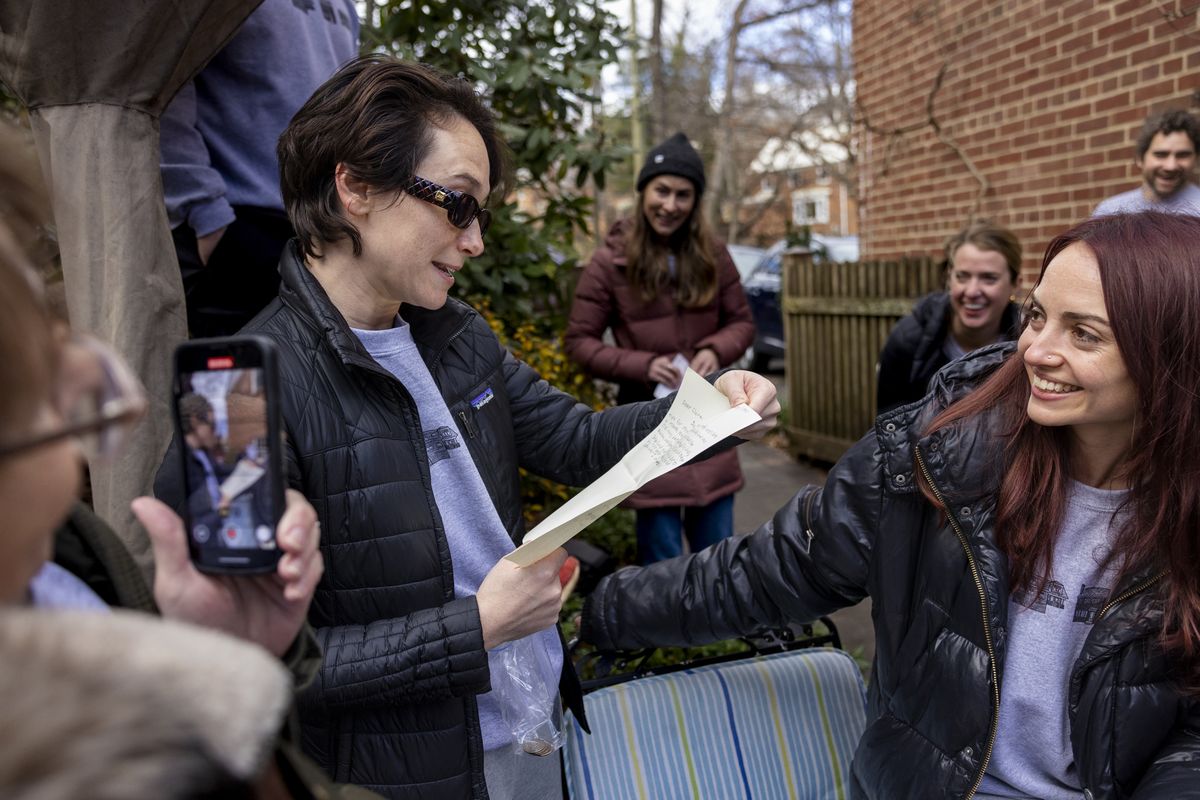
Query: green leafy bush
{"x": 538, "y": 63}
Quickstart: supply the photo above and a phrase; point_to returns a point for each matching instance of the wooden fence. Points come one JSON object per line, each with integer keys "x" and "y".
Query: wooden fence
{"x": 836, "y": 318}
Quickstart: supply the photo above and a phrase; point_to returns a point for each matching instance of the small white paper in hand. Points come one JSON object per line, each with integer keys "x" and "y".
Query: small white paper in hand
{"x": 700, "y": 416}
{"x": 678, "y": 362}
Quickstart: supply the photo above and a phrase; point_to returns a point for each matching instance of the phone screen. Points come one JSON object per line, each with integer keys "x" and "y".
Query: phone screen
{"x": 232, "y": 500}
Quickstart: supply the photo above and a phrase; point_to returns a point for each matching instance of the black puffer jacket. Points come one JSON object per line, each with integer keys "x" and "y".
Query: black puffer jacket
{"x": 393, "y": 707}
{"x": 939, "y": 586}
{"x": 913, "y": 354}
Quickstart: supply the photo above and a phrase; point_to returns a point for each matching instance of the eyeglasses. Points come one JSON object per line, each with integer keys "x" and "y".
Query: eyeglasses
{"x": 97, "y": 397}
{"x": 461, "y": 208}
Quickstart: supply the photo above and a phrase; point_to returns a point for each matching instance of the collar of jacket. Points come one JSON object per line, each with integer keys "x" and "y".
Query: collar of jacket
{"x": 965, "y": 459}
{"x": 303, "y": 293}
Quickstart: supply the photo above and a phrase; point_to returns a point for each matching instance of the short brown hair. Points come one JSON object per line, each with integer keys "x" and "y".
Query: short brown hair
{"x": 1173, "y": 120}
{"x": 194, "y": 408}
{"x": 990, "y": 237}
{"x": 374, "y": 117}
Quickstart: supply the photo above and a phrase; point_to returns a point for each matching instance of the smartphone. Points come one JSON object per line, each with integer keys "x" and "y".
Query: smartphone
{"x": 227, "y": 425}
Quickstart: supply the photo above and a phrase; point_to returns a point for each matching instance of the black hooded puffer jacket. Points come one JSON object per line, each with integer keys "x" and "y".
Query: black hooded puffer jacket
{"x": 939, "y": 587}
{"x": 393, "y": 707}
{"x": 913, "y": 352}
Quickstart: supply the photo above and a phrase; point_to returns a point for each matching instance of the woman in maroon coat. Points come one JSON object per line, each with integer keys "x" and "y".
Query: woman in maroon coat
{"x": 667, "y": 289}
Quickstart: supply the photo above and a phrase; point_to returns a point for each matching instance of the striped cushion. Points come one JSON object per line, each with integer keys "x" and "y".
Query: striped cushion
{"x": 777, "y": 726}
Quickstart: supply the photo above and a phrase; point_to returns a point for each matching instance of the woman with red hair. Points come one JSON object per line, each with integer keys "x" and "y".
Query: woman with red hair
{"x": 1029, "y": 539}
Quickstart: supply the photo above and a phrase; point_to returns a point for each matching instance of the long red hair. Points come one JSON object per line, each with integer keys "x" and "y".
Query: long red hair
{"x": 1150, "y": 272}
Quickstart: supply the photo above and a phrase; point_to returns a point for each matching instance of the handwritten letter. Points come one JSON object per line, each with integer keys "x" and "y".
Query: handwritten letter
{"x": 700, "y": 417}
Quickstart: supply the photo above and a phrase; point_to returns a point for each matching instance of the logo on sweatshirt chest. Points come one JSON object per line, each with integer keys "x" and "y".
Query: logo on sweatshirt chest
{"x": 439, "y": 442}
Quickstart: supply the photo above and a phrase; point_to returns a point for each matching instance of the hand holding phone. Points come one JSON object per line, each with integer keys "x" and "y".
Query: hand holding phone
{"x": 266, "y": 609}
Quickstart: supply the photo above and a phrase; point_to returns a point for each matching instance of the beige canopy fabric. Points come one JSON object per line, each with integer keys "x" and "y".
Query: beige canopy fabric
{"x": 96, "y": 75}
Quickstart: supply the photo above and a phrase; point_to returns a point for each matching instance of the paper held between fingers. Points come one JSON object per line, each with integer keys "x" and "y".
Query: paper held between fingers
{"x": 678, "y": 362}
{"x": 700, "y": 416}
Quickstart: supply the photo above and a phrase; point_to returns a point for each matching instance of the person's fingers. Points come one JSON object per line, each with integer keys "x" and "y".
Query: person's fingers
{"x": 760, "y": 392}
{"x": 298, "y": 531}
{"x": 294, "y": 565}
{"x": 704, "y": 362}
{"x": 549, "y": 564}
{"x": 769, "y": 419}
{"x": 168, "y": 540}
{"x": 303, "y": 587}
{"x": 290, "y": 567}
{"x": 731, "y": 384}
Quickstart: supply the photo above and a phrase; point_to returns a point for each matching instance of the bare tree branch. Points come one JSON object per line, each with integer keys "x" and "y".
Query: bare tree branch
{"x": 657, "y": 79}
{"x": 785, "y": 11}
{"x": 894, "y": 135}
{"x": 766, "y": 206}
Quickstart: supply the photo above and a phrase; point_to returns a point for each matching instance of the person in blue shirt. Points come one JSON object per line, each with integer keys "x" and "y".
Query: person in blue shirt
{"x": 219, "y": 171}
{"x": 1166, "y": 156}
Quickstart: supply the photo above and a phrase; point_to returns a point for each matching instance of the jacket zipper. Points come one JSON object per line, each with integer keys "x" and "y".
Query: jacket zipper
{"x": 437, "y": 356}
{"x": 467, "y": 424}
{"x": 808, "y": 504}
{"x": 1143, "y": 586}
{"x": 987, "y": 628}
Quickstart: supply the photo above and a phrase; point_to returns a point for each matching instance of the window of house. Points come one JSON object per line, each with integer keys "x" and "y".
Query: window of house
{"x": 810, "y": 207}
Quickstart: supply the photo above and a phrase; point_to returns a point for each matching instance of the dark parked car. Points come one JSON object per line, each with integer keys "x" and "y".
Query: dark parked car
{"x": 763, "y": 287}
{"x": 745, "y": 258}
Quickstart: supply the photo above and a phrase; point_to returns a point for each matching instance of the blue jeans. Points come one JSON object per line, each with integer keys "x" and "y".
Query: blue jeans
{"x": 660, "y": 530}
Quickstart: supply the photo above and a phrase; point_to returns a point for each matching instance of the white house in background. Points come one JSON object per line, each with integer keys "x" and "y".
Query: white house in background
{"x": 797, "y": 185}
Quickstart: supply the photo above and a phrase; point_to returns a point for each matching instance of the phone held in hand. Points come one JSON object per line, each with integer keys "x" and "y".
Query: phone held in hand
{"x": 227, "y": 424}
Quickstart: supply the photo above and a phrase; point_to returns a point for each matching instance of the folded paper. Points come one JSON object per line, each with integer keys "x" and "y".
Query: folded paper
{"x": 700, "y": 416}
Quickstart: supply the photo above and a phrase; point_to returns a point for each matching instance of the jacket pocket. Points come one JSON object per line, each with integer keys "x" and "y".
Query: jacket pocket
{"x": 484, "y": 416}
{"x": 929, "y": 619}
{"x": 940, "y": 685}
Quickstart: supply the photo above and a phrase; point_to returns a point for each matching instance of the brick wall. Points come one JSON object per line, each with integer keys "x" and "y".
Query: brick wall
{"x": 1043, "y": 98}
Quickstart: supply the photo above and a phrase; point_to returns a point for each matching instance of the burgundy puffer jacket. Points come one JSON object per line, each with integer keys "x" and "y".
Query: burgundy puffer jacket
{"x": 644, "y": 330}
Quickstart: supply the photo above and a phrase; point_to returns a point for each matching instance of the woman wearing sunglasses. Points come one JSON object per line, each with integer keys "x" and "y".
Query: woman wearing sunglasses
{"x": 406, "y": 424}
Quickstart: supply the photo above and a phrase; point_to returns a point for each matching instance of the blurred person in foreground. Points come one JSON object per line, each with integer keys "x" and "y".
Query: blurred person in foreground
{"x": 976, "y": 309}
{"x": 126, "y": 705}
{"x": 1027, "y": 536}
{"x": 64, "y": 394}
{"x": 670, "y": 293}
{"x": 406, "y": 423}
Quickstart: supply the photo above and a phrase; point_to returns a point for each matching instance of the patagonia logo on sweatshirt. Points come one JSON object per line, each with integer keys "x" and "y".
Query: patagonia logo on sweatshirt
{"x": 482, "y": 399}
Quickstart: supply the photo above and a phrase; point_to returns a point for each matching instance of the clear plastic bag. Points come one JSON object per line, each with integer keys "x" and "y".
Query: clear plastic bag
{"x": 528, "y": 703}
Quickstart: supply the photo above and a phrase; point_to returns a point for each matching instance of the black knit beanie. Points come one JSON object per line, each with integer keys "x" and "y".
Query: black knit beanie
{"x": 675, "y": 156}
